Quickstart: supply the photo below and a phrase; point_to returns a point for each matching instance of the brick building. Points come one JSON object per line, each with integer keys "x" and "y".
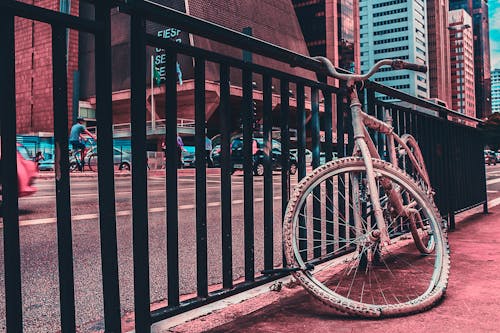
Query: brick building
{"x": 33, "y": 47}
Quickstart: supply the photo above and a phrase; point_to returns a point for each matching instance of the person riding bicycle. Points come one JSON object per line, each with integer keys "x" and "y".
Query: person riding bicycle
{"x": 77, "y": 139}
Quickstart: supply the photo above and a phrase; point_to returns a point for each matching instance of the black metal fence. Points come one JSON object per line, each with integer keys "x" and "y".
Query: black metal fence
{"x": 452, "y": 152}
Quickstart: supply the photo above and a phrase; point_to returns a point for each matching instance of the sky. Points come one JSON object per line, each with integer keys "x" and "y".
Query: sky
{"x": 494, "y": 13}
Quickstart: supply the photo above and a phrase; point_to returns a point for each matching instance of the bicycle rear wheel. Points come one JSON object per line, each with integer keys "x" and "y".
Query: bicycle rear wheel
{"x": 329, "y": 222}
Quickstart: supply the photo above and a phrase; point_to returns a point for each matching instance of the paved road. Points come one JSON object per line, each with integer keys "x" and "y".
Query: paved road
{"x": 39, "y": 243}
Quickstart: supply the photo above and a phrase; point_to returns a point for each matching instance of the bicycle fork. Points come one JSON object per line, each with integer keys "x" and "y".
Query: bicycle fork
{"x": 359, "y": 139}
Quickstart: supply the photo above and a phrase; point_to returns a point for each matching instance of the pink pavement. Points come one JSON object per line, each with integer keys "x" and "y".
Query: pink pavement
{"x": 472, "y": 302}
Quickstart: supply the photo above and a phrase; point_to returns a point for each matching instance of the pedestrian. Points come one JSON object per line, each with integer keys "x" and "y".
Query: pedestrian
{"x": 164, "y": 149}
{"x": 208, "y": 149}
{"x": 39, "y": 157}
{"x": 77, "y": 139}
{"x": 180, "y": 149}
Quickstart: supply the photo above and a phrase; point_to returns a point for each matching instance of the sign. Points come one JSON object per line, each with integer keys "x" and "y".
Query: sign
{"x": 160, "y": 58}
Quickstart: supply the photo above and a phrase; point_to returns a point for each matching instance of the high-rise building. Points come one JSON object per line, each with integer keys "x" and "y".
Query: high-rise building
{"x": 395, "y": 29}
{"x": 439, "y": 56}
{"x": 331, "y": 29}
{"x": 495, "y": 90}
{"x": 478, "y": 10}
{"x": 462, "y": 62}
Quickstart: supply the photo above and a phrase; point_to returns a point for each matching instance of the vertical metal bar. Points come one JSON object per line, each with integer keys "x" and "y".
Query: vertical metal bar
{"x": 171, "y": 179}
{"x": 139, "y": 174}
{"x": 285, "y": 144}
{"x": 317, "y": 190}
{"x": 247, "y": 117}
{"x": 201, "y": 179}
{"x": 268, "y": 173}
{"x": 12, "y": 250}
{"x": 64, "y": 234}
{"x": 301, "y": 147}
{"x": 301, "y": 131}
{"x": 341, "y": 153}
{"x": 107, "y": 209}
{"x": 285, "y": 148}
{"x": 225, "y": 127}
{"x": 329, "y": 229}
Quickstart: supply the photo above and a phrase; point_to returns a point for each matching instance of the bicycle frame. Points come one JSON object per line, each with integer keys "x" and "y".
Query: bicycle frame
{"x": 364, "y": 145}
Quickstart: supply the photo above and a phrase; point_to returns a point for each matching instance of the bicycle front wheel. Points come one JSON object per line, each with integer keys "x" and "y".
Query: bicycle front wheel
{"x": 330, "y": 224}
{"x": 92, "y": 162}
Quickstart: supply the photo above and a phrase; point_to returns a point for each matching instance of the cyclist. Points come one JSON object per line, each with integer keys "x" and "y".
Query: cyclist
{"x": 77, "y": 139}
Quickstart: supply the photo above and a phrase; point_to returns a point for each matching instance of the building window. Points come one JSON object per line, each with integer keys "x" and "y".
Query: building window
{"x": 388, "y": 3}
{"x": 388, "y": 31}
{"x": 401, "y": 19}
{"x": 391, "y": 12}
{"x": 391, "y": 49}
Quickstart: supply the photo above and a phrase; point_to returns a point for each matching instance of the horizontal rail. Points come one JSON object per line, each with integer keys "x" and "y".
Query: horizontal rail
{"x": 51, "y": 17}
{"x": 380, "y": 88}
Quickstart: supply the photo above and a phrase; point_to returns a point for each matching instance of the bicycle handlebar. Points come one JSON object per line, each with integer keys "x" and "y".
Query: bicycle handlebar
{"x": 396, "y": 64}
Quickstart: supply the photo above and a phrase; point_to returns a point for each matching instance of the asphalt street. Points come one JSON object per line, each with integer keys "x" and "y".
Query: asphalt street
{"x": 38, "y": 236}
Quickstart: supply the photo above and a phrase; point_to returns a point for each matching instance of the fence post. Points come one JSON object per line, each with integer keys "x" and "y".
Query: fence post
{"x": 139, "y": 173}
{"x": 107, "y": 209}
{"x": 12, "y": 256}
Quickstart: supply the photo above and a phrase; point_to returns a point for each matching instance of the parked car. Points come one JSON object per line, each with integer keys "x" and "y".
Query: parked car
{"x": 308, "y": 154}
{"x": 259, "y": 155}
{"x": 26, "y": 172}
{"x": 497, "y": 154}
{"x": 490, "y": 157}
{"x": 188, "y": 156}
{"x": 121, "y": 158}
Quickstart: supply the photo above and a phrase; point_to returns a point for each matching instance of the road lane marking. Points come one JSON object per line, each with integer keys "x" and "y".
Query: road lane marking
{"x": 82, "y": 217}
{"x": 87, "y": 195}
{"x": 491, "y": 191}
{"x": 493, "y": 181}
{"x": 494, "y": 202}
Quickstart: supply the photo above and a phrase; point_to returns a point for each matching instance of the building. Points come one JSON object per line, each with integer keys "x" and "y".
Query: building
{"x": 462, "y": 62}
{"x": 495, "y": 90}
{"x": 478, "y": 10}
{"x": 331, "y": 29}
{"x": 273, "y": 21}
{"x": 395, "y": 29}
{"x": 33, "y": 52}
{"x": 439, "y": 57}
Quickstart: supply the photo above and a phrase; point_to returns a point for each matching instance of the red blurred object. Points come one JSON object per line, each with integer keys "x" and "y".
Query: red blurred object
{"x": 27, "y": 172}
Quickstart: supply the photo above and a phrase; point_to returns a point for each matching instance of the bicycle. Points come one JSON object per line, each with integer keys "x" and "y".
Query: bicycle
{"x": 77, "y": 163}
{"x": 364, "y": 264}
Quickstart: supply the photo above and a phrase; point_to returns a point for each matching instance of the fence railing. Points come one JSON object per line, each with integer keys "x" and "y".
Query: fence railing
{"x": 454, "y": 151}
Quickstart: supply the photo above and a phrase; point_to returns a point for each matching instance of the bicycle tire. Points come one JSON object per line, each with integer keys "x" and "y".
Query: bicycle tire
{"x": 426, "y": 276}
{"x": 93, "y": 162}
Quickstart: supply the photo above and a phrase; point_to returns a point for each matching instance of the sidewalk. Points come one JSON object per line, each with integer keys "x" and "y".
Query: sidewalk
{"x": 472, "y": 302}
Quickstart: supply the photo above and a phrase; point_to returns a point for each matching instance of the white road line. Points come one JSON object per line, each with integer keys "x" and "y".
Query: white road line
{"x": 88, "y": 195}
{"x": 493, "y": 181}
{"x": 491, "y": 191}
{"x": 82, "y": 217}
{"x": 494, "y": 202}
